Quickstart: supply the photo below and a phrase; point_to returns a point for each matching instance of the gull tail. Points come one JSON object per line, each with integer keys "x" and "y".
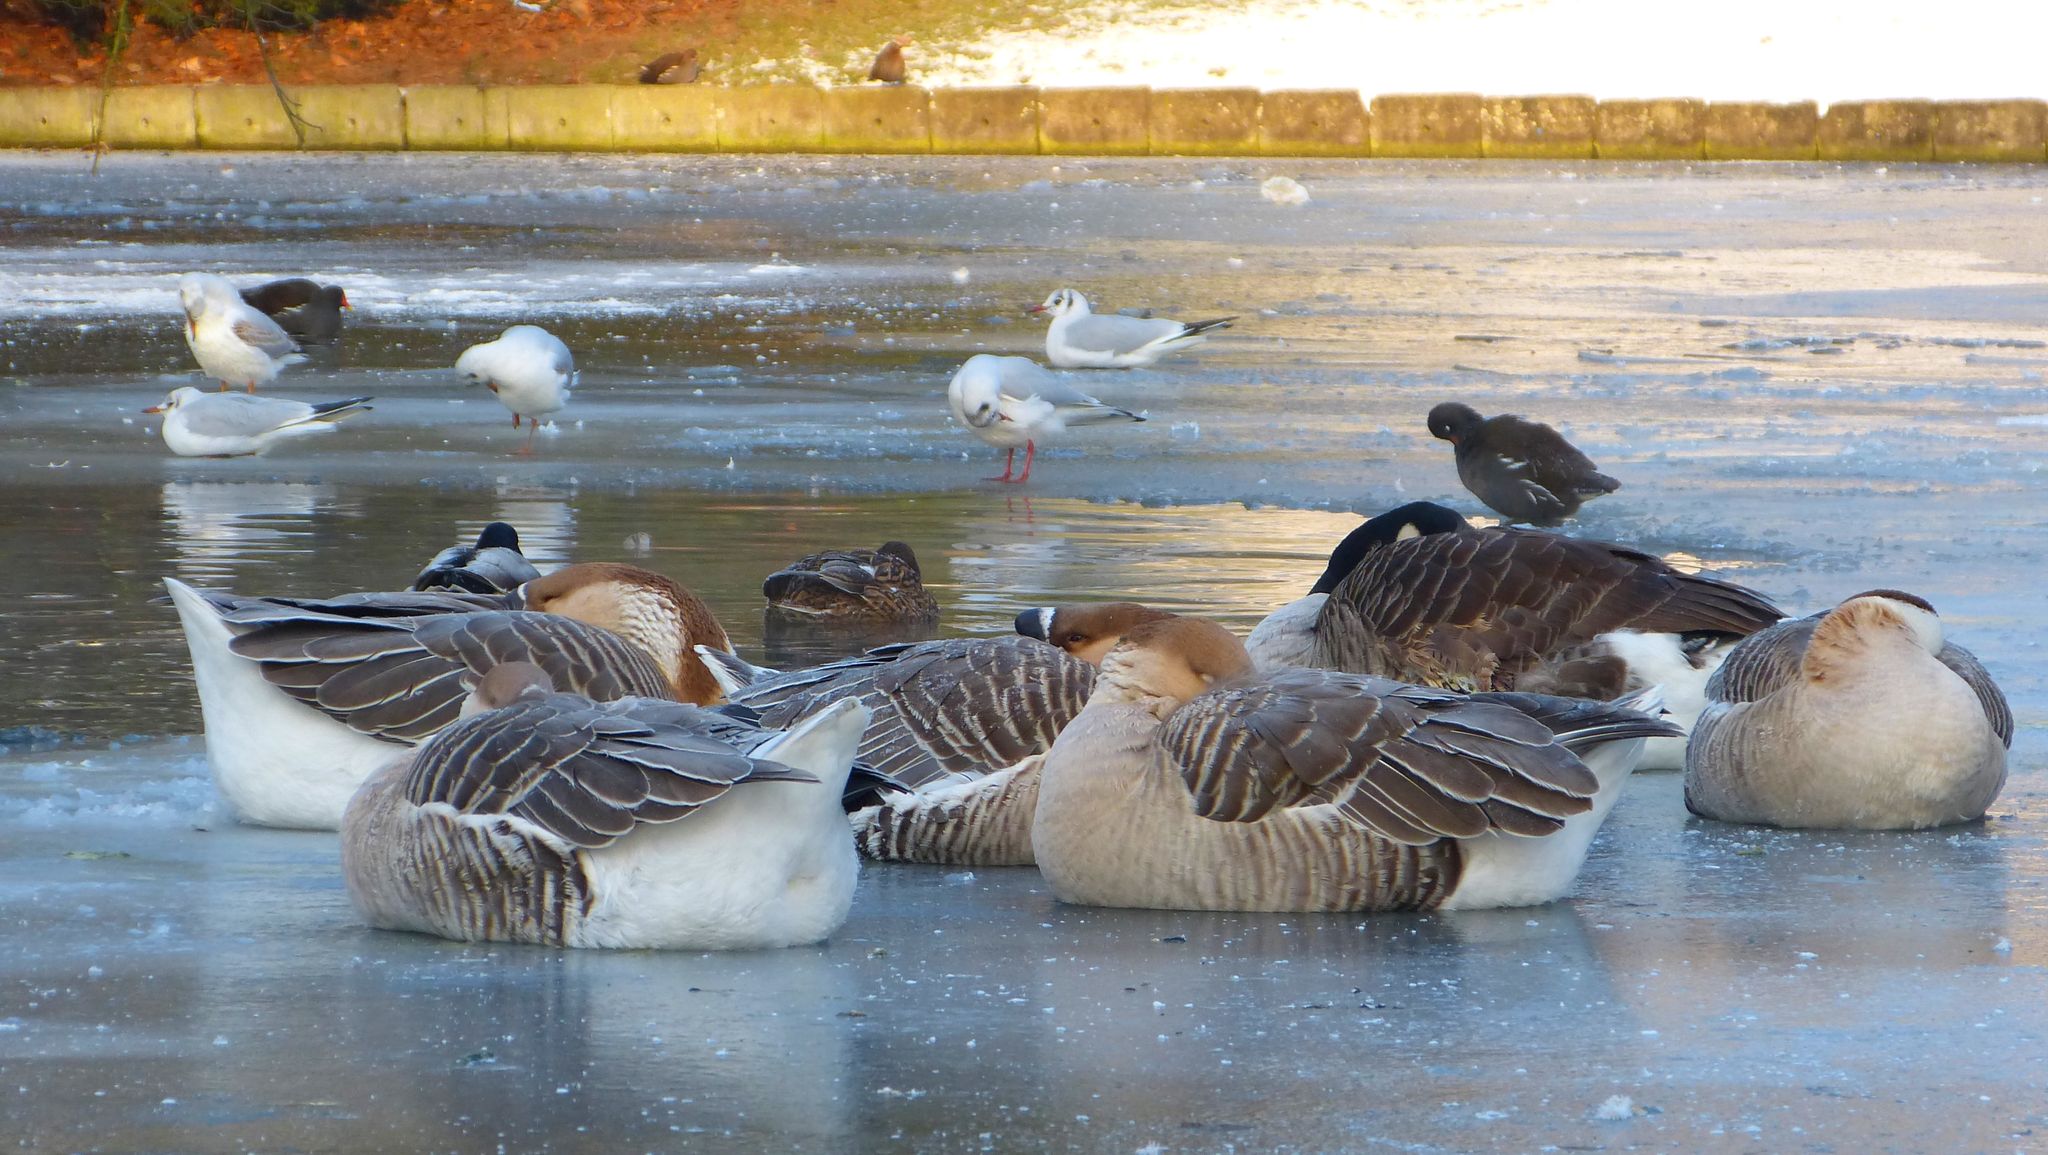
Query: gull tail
{"x": 337, "y": 410}
{"x": 1195, "y": 328}
{"x": 1095, "y": 414}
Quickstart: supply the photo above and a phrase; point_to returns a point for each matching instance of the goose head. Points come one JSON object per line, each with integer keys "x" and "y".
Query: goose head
{"x": 1415, "y": 519}
{"x": 1062, "y": 303}
{"x": 1454, "y": 421}
{"x": 1897, "y": 610}
{"x": 650, "y": 610}
{"x": 1165, "y": 662}
{"x": 1086, "y": 631}
{"x": 505, "y": 684}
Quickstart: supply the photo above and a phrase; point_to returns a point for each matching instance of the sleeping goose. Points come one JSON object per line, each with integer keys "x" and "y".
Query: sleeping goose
{"x": 550, "y": 818}
{"x": 302, "y": 699}
{"x": 1863, "y": 717}
{"x": 493, "y": 565}
{"x": 960, "y": 722}
{"x": 1286, "y": 637}
{"x": 1193, "y": 782}
{"x": 860, "y": 586}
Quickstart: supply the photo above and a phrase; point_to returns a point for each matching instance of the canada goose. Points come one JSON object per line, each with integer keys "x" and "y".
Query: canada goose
{"x": 493, "y": 565}
{"x": 550, "y": 818}
{"x": 308, "y": 310}
{"x": 302, "y": 699}
{"x": 1522, "y": 469}
{"x": 960, "y": 722}
{"x": 1080, "y": 338}
{"x": 853, "y": 586}
{"x": 1286, "y": 637}
{"x": 1862, "y": 717}
{"x": 200, "y": 424}
{"x": 528, "y": 368}
{"x": 1192, "y": 782}
{"x": 233, "y": 342}
{"x": 1012, "y": 401}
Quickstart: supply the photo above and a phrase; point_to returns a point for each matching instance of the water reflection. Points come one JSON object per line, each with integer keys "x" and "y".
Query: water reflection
{"x": 217, "y": 528}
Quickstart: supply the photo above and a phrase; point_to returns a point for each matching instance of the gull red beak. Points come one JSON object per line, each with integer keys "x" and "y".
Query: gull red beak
{"x": 154, "y": 409}
{"x": 1036, "y": 309}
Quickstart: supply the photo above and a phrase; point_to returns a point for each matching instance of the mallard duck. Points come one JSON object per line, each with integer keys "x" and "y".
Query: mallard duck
{"x": 550, "y": 818}
{"x": 859, "y": 586}
{"x": 1862, "y": 717}
{"x": 961, "y": 723}
{"x": 1080, "y": 338}
{"x": 1191, "y": 781}
{"x": 1522, "y": 469}
{"x": 302, "y": 699}
{"x": 493, "y": 565}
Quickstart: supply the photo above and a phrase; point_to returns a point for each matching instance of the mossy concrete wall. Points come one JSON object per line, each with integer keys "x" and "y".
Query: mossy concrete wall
{"x": 1021, "y": 120}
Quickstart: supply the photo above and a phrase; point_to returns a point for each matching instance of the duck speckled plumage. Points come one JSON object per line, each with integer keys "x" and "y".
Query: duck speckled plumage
{"x": 854, "y": 586}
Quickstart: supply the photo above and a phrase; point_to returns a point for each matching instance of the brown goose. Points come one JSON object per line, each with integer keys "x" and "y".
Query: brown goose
{"x": 303, "y": 699}
{"x": 308, "y": 310}
{"x": 1864, "y": 716}
{"x": 888, "y": 66}
{"x": 1191, "y": 782}
{"x": 1477, "y": 609}
{"x": 1524, "y": 470}
{"x": 554, "y": 819}
{"x": 855, "y": 586}
{"x": 961, "y": 722}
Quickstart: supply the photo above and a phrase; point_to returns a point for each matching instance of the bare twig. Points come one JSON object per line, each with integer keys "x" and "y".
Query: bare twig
{"x": 117, "y": 43}
{"x": 284, "y": 99}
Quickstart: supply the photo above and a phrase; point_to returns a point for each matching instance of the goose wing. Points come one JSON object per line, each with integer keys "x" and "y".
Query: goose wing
{"x": 403, "y": 678}
{"x": 1412, "y": 764}
{"x": 1479, "y": 607}
{"x": 584, "y": 772}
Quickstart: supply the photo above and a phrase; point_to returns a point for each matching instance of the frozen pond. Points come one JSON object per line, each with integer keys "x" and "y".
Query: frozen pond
{"x": 1820, "y": 380}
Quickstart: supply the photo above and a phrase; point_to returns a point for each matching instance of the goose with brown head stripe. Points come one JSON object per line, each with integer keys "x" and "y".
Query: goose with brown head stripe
{"x": 963, "y": 723}
{"x": 1192, "y": 782}
{"x": 1862, "y": 717}
{"x": 552, "y": 819}
{"x": 303, "y": 698}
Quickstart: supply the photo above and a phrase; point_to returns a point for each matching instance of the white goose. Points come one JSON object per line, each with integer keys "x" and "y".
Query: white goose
{"x": 302, "y": 699}
{"x": 1078, "y": 338}
{"x": 552, "y": 819}
{"x": 1192, "y": 783}
{"x": 1862, "y": 717}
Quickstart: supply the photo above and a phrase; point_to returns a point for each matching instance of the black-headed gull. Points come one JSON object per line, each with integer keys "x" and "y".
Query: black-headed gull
{"x": 1079, "y": 338}
{"x": 529, "y": 369}
{"x": 232, "y": 341}
{"x": 493, "y": 565}
{"x": 1012, "y": 401}
{"x": 308, "y": 310}
{"x": 200, "y": 424}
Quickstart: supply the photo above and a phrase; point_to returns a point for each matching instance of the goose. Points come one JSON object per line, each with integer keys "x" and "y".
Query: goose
{"x": 1522, "y": 469}
{"x": 1012, "y": 401}
{"x": 528, "y": 368}
{"x": 493, "y": 565}
{"x": 1192, "y": 782}
{"x": 553, "y": 819}
{"x": 1080, "y": 338}
{"x": 309, "y": 311}
{"x": 888, "y": 67}
{"x": 960, "y": 723}
{"x": 233, "y": 342}
{"x": 302, "y": 699}
{"x": 853, "y": 585}
{"x": 1861, "y": 717}
{"x": 1286, "y": 636}
{"x": 200, "y": 424}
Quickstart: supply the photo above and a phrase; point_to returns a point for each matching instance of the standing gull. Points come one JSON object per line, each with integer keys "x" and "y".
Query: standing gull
{"x": 1012, "y": 401}
{"x": 233, "y": 342}
{"x": 529, "y": 369}
{"x": 1522, "y": 469}
{"x": 1081, "y": 339}
{"x": 200, "y": 424}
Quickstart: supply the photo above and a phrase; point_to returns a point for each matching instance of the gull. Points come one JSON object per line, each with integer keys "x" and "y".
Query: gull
{"x": 1012, "y": 401}
{"x": 200, "y": 424}
{"x": 1080, "y": 339}
{"x": 232, "y": 341}
{"x": 529, "y": 369}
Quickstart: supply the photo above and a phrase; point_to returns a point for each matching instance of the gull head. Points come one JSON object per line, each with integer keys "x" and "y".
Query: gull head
{"x": 1062, "y": 302}
{"x": 977, "y": 393}
{"x": 175, "y": 398}
{"x": 199, "y": 293}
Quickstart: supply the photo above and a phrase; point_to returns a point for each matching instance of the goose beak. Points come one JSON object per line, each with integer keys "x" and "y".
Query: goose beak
{"x": 1035, "y": 623}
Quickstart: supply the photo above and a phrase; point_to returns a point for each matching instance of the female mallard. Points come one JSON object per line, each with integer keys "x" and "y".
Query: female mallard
{"x": 553, "y": 819}
{"x": 1863, "y": 717}
{"x": 862, "y": 586}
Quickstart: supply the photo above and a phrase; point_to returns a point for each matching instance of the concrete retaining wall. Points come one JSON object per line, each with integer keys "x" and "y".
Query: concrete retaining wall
{"x": 1100, "y": 121}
